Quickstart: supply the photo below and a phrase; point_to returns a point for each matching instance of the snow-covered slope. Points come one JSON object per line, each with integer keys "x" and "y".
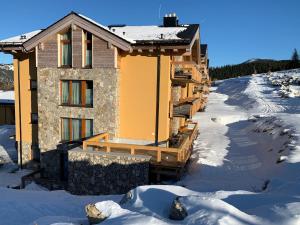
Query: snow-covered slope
{"x": 244, "y": 169}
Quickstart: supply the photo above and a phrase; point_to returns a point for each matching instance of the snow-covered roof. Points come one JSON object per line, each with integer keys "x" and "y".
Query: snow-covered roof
{"x": 131, "y": 34}
{"x": 7, "y": 97}
{"x": 148, "y": 33}
{"x": 20, "y": 39}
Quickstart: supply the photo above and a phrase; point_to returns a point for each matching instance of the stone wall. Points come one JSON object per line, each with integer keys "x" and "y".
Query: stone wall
{"x": 175, "y": 122}
{"x": 104, "y": 111}
{"x": 26, "y": 153}
{"x": 94, "y": 173}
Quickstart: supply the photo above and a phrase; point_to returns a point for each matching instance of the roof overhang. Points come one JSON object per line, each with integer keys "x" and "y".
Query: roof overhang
{"x": 76, "y": 19}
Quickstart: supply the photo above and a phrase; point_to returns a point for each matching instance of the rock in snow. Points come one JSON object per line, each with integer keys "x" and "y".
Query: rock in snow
{"x": 178, "y": 211}
{"x": 96, "y": 215}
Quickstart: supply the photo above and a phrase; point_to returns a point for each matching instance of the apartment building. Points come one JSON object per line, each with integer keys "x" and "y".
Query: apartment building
{"x": 118, "y": 88}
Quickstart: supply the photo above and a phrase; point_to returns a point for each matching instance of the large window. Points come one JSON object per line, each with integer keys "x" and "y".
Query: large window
{"x": 87, "y": 53}
{"x": 76, "y": 129}
{"x": 66, "y": 49}
{"x": 77, "y": 93}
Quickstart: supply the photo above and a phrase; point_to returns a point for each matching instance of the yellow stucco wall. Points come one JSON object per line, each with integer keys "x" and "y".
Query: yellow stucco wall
{"x": 28, "y": 98}
{"x": 138, "y": 97}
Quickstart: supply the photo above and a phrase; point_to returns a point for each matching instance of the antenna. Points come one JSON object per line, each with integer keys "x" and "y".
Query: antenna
{"x": 159, "y": 10}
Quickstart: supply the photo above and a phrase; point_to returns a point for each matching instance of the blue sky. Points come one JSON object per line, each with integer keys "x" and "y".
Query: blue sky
{"x": 235, "y": 30}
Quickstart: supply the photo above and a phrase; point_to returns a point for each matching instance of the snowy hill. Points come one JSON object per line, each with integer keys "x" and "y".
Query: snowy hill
{"x": 244, "y": 168}
{"x": 255, "y": 60}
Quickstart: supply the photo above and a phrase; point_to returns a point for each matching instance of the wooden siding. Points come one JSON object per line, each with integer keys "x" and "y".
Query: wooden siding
{"x": 7, "y": 114}
{"x": 47, "y": 56}
{"x": 77, "y": 47}
{"x": 103, "y": 55}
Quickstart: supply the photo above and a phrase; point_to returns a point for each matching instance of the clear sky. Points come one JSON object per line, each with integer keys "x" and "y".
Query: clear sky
{"x": 235, "y": 30}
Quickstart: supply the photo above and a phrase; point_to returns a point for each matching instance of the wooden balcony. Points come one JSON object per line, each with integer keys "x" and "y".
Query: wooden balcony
{"x": 185, "y": 72}
{"x": 162, "y": 156}
{"x": 187, "y": 107}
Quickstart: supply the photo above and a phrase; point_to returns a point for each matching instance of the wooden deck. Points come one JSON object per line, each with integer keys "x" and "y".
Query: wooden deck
{"x": 185, "y": 72}
{"x": 164, "y": 160}
{"x": 188, "y": 107}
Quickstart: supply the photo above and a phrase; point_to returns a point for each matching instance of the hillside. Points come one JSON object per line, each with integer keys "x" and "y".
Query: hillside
{"x": 6, "y": 77}
{"x": 244, "y": 169}
{"x": 251, "y": 66}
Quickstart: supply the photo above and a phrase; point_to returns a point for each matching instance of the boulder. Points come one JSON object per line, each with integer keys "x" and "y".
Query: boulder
{"x": 94, "y": 215}
{"x": 2, "y": 161}
{"x": 126, "y": 198}
{"x": 178, "y": 211}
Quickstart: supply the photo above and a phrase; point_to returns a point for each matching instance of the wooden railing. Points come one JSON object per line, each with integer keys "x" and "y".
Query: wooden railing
{"x": 101, "y": 143}
{"x": 187, "y": 107}
{"x": 186, "y": 67}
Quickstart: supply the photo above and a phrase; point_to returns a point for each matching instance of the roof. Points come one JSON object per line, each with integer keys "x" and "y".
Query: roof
{"x": 20, "y": 39}
{"x": 128, "y": 35}
{"x": 156, "y": 34}
{"x": 7, "y": 97}
{"x": 203, "y": 49}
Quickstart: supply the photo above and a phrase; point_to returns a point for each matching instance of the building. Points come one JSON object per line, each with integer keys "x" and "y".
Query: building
{"x": 124, "y": 89}
{"x": 7, "y": 108}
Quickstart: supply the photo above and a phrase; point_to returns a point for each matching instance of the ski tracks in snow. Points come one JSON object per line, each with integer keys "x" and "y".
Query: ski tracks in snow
{"x": 255, "y": 90}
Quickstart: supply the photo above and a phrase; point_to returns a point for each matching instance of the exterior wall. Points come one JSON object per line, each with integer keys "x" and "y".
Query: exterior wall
{"x": 105, "y": 111}
{"x": 7, "y": 114}
{"x": 175, "y": 122}
{"x": 94, "y": 173}
{"x": 103, "y": 54}
{"x": 138, "y": 97}
{"x": 28, "y": 104}
{"x": 77, "y": 47}
{"x": 47, "y": 56}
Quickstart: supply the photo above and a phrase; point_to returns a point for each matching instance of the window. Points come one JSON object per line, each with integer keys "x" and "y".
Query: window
{"x": 77, "y": 93}
{"x": 34, "y": 118}
{"x": 66, "y": 49}
{"x": 76, "y": 129}
{"x": 87, "y": 53}
{"x": 33, "y": 85}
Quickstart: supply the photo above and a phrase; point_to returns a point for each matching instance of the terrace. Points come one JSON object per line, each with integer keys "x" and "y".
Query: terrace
{"x": 172, "y": 155}
{"x": 185, "y": 72}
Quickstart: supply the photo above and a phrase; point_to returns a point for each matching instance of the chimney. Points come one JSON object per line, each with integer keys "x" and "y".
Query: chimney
{"x": 171, "y": 20}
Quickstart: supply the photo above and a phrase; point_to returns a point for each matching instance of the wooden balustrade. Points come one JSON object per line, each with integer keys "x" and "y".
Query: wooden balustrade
{"x": 101, "y": 142}
{"x": 187, "y": 68}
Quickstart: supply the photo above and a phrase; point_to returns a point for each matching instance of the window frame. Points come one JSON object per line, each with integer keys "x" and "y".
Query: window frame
{"x": 70, "y": 128}
{"x": 61, "y": 43}
{"x": 32, "y": 120}
{"x": 85, "y": 43}
{"x": 83, "y": 87}
{"x": 32, "y": 88}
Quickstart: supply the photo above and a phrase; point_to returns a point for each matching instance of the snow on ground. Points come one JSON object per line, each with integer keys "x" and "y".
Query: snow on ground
{"x": 10, "y": 175}
{"x": 7, "y": 96}
{"x": 244, "y": 169}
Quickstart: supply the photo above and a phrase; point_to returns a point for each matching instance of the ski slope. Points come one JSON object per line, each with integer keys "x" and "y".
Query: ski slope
{"x": 244, "y": 169}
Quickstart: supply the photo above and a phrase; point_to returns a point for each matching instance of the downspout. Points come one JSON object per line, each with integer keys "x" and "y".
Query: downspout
{"x": 157, "y": 97}
{"x": 20, "y": 117}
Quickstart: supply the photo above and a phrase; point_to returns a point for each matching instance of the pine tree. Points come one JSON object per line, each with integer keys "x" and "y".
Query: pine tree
{"x": 295, "y": 56}
{"x": 295, "y": 60}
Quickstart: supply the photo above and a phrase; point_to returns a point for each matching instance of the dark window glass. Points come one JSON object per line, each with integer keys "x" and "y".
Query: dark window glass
{"x": 34, "y": 118}
{"x": 76, "y": 129}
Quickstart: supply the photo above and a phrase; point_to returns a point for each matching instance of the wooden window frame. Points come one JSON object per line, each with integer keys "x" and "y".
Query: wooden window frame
{"x": 62, "y": 42}
{"x": 85, "y": 44}
{"x": 83, "y": 86}
{"x": 83, "y": 128}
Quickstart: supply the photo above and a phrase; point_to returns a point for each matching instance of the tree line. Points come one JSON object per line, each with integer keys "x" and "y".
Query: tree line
{"x": 258, "y": 66}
